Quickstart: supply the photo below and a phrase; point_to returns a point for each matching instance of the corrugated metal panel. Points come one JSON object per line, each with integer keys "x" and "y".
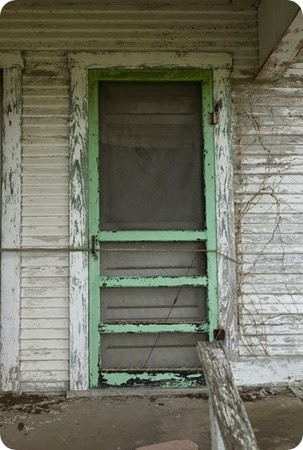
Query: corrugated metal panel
{"x": 269, "y": 186}
{"x": 44, "y": 303}
{"x": 133, "y": 25}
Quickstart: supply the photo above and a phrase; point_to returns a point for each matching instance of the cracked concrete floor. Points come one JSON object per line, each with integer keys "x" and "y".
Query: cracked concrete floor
{"x": 127, "y": 423}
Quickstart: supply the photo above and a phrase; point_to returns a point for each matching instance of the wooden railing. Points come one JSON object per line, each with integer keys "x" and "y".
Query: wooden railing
{"x": 229, "y": 422}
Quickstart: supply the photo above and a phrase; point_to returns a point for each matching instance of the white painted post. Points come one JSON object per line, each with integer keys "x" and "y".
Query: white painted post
{"x": 11, "y": 63}
{"x": 227, "y": 281}
{"x": 79, "y": 351}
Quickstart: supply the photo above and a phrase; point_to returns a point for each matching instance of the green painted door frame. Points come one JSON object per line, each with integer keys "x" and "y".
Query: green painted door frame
{"x": 97, "y": 328}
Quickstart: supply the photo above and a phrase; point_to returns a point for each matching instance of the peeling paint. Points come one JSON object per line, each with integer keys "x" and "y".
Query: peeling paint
{"x": 11, "y": 214}
{"x": 286, "y": 51}
{"x": 163, "y": 379}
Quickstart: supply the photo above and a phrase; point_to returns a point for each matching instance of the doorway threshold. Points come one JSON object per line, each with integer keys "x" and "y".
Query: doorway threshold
{"x": 139, "y": 392}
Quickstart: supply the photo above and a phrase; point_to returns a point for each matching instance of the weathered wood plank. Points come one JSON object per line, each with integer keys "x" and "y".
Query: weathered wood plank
{"x": 78, "y": 232}
{"x": 227, "y": 285}
{"x": 227, "y": 406}
{"x": 11, "y": 221}
{"x": 268, "y": 371}
{"x": 32, "y": 334}
{"x": 44, "y": 355}
{"x": 217, "y": 442}
{"x": 44, "y": 386}
{"x": 30, "y": 376}
{"x": 137, "y": 60}
{"x": 48, "y": 345}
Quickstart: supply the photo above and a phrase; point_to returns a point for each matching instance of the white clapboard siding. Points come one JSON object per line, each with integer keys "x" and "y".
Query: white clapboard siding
{"x": 214, "y": 26}
{"x": 44, "y": 355}
{"x": 44, "y": 358}
{"x": 269, "y": 186}
{"x": 45, "y": 32}
{"x": 268, "y": 299}
{"x": 296, "y": 69}
{"x": 268, "y": 142}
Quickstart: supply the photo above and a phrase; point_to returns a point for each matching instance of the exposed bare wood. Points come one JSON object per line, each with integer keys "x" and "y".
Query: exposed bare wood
{"x": 285, "y": 52}
{"x": 226, "y": 404}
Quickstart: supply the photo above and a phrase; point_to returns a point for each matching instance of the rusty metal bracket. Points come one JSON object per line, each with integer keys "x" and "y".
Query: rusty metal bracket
{"x": 214, "y": 117}
{"x": 95, "y": 246}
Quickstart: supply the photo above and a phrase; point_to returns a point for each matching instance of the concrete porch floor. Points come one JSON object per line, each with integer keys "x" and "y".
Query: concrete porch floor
{"x": 127, "y": 423}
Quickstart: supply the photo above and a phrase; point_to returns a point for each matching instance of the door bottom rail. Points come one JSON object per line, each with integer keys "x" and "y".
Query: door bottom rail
{"x": 163, "y": 378}
{"x": 121, "y": 328}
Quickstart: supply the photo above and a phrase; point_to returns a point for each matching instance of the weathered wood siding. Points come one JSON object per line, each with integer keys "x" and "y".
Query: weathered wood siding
{"x": 45, "y": 218}
{"x": 46, "y": 32}
{"x": 296, "y": 69}
{"x": 268, "y": 147}
{"x": 216, "y": 26}
{"x": 268, "y": 143}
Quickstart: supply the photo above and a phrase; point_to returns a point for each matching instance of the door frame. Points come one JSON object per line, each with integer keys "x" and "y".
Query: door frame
{"x": 204, "y": 77}
{"x": 80, "y": 63}
{"x": 11, "y": 64}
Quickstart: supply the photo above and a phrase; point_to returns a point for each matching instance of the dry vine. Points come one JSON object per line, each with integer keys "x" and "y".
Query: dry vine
{"x": 248, "y": 127}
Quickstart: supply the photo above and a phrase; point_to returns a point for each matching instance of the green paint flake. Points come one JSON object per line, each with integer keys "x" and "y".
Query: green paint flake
{"x": 153, "y": 328}
{"x": 152, "y": 236}
{"x": 118, "y": 282}
{"x": 165, "y": 380}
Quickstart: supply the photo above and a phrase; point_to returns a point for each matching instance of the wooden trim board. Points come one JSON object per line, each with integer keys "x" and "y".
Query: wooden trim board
{"x": 12, "y": 64}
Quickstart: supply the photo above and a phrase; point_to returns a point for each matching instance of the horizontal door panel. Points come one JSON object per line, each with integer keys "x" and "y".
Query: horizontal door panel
{"x": 152, "y": 304}
{"x": 182, "y": 97}
{"x": 150, "y": 351}
{"x": 152, "y": 259}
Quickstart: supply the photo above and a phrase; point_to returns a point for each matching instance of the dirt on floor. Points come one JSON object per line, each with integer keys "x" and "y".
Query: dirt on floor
{"x": 124, "y": 423}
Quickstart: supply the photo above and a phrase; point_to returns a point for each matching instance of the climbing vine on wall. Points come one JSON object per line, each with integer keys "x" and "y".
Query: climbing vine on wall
{"x": 262, "y": 176}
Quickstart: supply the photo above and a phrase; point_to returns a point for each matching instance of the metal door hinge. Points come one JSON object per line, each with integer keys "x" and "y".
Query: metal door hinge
{"x": 95, "y": 247}
{"x": 214, "y": 117}
{"x": 219, "y": 334}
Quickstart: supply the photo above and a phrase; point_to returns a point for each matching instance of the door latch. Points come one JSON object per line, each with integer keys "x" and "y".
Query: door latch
{"x": 95, "y": 247}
